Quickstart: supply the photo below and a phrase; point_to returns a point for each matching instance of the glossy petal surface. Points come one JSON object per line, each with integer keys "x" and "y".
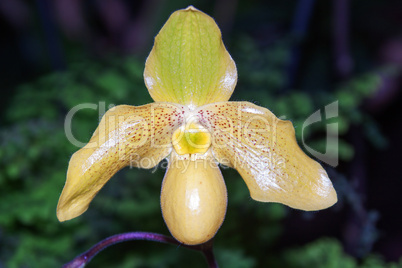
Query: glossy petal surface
{"x": 127, "y": 135}
{"x": 264, "y": 151}
{"x": 189, "y": 63}
{"x": 193, "y": 198}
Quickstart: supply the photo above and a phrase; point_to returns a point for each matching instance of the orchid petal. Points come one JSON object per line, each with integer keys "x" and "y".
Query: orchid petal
{"x": 193, "y": 198}
{"x": 264, "y": 151}
{"x": 189, "y": 63}
{"x": 127, "y": 135}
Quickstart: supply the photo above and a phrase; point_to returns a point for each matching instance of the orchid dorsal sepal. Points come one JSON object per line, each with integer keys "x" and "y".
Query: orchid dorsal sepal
{"x": 189, "y": 63}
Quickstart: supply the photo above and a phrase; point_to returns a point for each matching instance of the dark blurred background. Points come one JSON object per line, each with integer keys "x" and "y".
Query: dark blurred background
{"x": 293, "y": 57}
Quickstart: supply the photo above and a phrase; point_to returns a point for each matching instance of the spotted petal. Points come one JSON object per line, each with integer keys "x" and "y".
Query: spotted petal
{"x": 127, "y": 135}
{"x": 189, "y": 63}
{"x": 264, "y": 151}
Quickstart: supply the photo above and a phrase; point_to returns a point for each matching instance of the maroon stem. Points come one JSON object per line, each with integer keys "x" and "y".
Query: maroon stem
{"x": 209, "y": 255}
{"x": 81, "y": 260}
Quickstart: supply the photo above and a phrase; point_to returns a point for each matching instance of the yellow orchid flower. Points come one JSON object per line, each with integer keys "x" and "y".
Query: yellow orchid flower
{"x": 191, "y": 76}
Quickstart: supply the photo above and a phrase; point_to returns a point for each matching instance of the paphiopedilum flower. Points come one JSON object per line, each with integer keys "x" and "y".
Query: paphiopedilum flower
{"x": 191, "y": 76}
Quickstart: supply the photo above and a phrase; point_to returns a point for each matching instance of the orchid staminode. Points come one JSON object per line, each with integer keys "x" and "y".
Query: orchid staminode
{"x": 191, "y": 76}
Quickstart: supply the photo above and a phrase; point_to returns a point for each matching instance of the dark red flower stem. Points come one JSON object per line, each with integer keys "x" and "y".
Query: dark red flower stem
{"x": 83, "y": 259}
{"x": 209, "y": 256}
